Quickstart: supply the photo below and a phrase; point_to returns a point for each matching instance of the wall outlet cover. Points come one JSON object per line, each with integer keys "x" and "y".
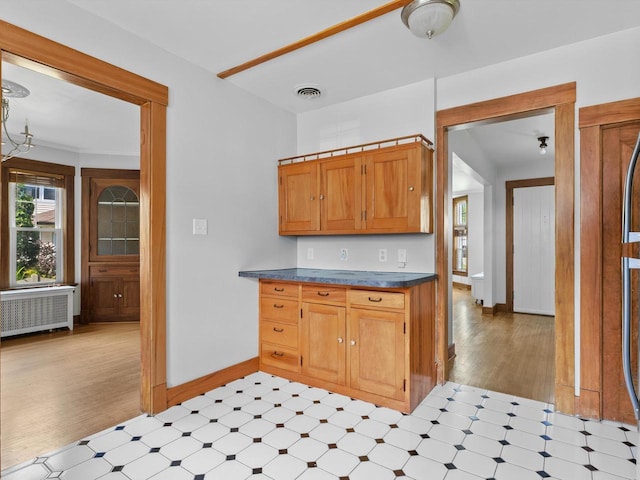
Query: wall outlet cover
{"x": 344, "y": 254}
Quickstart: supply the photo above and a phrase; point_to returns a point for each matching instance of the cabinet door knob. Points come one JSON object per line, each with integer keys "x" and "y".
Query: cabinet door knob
{"x": 313, "y": 197}
{"x": 115, "y": 295}
{"x": 119, "y": 295}
{"x": 321, "y": 197}
{"x": 411, "y": 188}
{"x": 340, "y": 340}
{"x": 353, "y": 342}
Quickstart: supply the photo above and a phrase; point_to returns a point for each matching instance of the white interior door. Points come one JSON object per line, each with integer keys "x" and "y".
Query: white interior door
{"x": 534, "y": 250}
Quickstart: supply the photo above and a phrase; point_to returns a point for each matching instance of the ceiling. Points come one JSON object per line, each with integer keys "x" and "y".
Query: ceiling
{"x": 378, "y": 55}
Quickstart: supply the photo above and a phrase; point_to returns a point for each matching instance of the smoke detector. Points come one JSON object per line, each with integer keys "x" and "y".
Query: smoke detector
{"x": 308, "y": 91}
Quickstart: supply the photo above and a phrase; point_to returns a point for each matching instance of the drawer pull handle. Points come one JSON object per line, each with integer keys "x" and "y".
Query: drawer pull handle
{"x": 278, "y": 306}
{"x": 376, "y": 300}
{"x": 279, "y": 330}
{"x": 323, "y": 294}
{"x": 277, "y": 354}
{"x": 279, "y": 289}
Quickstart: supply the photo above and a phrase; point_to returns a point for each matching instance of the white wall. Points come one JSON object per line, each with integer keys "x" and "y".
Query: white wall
{"x": 394, "y": 113}
{"x": 222, "y": 147}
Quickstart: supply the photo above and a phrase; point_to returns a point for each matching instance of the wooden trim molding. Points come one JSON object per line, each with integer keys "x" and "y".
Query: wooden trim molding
{"x": 180, "y": 393}
{"x": 29, "y": 50}
{"x": 316, "y": 37}
{"x": 510, "y": 186}
{"x": 562, "y": 99}
{"x": 593, "y": 120}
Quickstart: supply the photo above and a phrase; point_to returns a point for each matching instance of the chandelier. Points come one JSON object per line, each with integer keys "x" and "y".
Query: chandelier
{"x": 13, "y": 90}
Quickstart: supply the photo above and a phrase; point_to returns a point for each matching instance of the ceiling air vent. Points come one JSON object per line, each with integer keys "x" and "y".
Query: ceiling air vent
{"x": 308, "y": 92}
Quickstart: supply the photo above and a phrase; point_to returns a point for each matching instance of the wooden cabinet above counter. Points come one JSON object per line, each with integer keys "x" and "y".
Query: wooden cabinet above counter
{"x": 382, "y": 187}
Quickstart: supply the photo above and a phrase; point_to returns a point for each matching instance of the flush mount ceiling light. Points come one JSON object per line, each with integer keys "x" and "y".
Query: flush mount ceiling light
{"x": 543, "y": 145}
{"x": 13, "y": 90}
{"x": 427, "y": 18}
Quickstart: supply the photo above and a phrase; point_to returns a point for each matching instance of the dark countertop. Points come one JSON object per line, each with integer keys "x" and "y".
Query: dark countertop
{"x": 343, "y": 277}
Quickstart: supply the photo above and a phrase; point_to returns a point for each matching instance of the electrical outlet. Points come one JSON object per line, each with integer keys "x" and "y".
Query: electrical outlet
{"x": 402, "y": 258}
{"x": 382, "y": 255}
{"x": 344, "y": 254}
{"x": 310, "y": 253}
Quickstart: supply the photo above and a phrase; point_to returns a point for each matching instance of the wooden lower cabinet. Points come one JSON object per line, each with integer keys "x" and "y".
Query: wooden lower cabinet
{"x": 115, "y": 293}
{"x": 377, "y": 351}
{"x": 375, "y": 345}
{"x": 323, "y": 345}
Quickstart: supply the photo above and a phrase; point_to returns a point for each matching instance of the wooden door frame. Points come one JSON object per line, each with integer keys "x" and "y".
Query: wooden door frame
{"x": 592, "y": 120}
{"x": 510, "y": 186}
{"x": 562, "y": 99}
{"x": 26, "y": 49}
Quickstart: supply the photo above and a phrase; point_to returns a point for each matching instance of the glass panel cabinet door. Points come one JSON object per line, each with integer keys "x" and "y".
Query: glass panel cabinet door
{"x": 115, "y": 220}
{"x": 118, "y": 221}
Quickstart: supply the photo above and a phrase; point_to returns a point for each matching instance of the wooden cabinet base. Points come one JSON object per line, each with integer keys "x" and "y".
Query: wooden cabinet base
{"x": 373, "y": 344}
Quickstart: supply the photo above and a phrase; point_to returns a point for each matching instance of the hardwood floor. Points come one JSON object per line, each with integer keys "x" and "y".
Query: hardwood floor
{"x": 59, "y": 387}
{"x": 509, "y": 353}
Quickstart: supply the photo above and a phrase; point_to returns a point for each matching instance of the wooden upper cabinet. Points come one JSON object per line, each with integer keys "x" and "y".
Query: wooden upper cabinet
{"x": 298, "y": 198}
{"x": 388, "y": 189}
{"x": 396, "y": 186}
{"x": 341, "y": 194}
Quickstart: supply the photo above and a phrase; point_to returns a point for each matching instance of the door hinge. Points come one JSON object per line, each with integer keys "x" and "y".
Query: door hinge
{"x": 404, "y": 385}
{"x": 300, "y": 313}
{"x": 404, "y": 328}
{"x": 280, "y": 178}
{"x": 363, "y": 216}
{"x": 300, "y": 360}
{"x": 363, "y": 169}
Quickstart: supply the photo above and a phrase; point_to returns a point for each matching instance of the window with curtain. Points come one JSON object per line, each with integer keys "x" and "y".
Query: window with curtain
{"x": 37, "y": 237}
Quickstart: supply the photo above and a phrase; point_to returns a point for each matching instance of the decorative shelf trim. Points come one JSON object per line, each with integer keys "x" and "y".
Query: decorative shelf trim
{"x": 365, "y": 147}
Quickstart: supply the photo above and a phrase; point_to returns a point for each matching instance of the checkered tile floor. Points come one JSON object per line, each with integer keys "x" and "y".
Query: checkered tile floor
{"x": 265, "y": 427}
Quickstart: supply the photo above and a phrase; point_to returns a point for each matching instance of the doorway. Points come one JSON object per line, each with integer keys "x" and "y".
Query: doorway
{"x": 26, "y": 49}
{"x": 562, "y": 100}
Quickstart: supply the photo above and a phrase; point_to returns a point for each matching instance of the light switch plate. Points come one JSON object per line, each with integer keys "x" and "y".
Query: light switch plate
{"x": 199, "y": 226}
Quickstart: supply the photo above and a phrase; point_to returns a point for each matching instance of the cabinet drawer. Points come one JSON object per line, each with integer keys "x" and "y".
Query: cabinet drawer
{"x": 372, "y": 298}
{"x": 279, "y": 289}
{"x": 322, "y": 293}
{"x": 279, "y": 309}
{"x": 115, "y": 271}
{"x": 280, "y": 357}
{"x": 279, "y": 334}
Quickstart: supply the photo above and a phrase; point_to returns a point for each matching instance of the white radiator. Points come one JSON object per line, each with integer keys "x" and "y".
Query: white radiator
{"x": 35, "y": 309}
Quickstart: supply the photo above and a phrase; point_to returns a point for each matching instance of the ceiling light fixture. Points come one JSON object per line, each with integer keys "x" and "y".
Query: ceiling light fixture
{"x": 13, "y": 90}
{"x": 543, "y": 145}
{"x": 427, "y": 18}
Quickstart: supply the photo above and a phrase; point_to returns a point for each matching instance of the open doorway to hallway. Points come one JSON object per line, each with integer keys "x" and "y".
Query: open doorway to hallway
{"x": 490, "y": 345}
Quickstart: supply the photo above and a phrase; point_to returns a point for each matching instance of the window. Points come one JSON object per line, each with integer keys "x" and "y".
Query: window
{"x": 38, "y": 206}
{"x": 460, "y": 236}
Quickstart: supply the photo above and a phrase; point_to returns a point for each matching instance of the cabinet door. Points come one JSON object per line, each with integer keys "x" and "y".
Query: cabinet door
{"x": 130, "y": 300}
{"x": 323, "y": 342}
{"x": 377, "y": 352}
{"x": 104, "y": 298}
{"x": 299, "y": 206}
{"x": 394, "y": 190}
{"x": 341, "y": 194}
